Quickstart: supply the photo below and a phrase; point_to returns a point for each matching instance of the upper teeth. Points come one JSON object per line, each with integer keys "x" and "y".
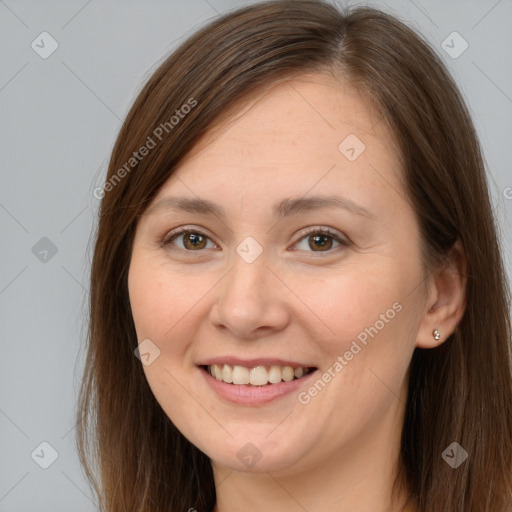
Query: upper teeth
{"x": 258, "y": 376}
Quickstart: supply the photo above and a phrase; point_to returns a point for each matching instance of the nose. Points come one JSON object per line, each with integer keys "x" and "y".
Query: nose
{"x": 250, "y": 301}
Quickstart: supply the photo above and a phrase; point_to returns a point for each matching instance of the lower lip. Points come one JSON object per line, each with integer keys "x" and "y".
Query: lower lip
{"x": 246, "y": 394}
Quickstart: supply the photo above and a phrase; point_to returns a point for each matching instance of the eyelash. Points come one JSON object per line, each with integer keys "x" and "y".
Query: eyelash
{"x": 170, "y": 237}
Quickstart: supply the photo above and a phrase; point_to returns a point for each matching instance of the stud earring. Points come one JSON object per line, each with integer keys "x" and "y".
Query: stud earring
{"x": 436, "y": 334}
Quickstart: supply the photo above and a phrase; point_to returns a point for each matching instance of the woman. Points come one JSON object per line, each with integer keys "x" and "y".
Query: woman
{"x": 297, "y": 295}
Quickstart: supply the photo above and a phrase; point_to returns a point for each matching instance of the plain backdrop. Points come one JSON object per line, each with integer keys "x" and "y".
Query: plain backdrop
{"x": 60, "y": 115}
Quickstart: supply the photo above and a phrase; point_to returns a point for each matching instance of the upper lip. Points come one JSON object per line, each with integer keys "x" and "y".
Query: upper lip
{"x": 252, "y": 363}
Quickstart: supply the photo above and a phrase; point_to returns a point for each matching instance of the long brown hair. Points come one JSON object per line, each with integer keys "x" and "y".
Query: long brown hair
{"x": 134, "y": 457}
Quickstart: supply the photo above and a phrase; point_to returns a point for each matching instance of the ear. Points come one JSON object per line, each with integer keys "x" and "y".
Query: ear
{"x": 446, "y": 299}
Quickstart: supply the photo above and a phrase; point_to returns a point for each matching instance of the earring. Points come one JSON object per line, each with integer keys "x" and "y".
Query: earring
{"x": 436, "y": 334}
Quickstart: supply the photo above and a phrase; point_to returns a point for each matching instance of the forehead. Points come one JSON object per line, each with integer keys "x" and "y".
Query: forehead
{"x": 310, "y": 107}
{"x": 291, "y": 135}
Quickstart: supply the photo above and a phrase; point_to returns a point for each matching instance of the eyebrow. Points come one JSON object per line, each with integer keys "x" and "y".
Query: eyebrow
{"x": 287, "y": 207}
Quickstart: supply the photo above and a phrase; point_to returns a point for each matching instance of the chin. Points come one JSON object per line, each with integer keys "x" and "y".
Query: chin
{"x": 259, "y": 454}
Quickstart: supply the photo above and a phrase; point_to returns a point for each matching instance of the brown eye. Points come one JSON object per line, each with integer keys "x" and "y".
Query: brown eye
{"x": 194, "y": 241}
{"x": 190, "y": 240}
{"x": 321, "y": 240}
{"x": 324, "y": 242}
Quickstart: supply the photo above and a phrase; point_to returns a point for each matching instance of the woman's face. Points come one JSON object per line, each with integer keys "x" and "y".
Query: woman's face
{"x": 258, "y": 289}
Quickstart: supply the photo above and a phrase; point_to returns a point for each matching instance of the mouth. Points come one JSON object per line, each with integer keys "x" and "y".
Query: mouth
{"x": 256, "y": 376}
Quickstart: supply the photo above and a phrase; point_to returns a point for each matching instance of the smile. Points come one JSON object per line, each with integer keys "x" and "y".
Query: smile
{"x": 256, "y": 383}
{"x": 256, "y": 376}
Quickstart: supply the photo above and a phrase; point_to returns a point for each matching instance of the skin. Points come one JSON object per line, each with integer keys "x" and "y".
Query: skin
{"x": 296, "y": 301}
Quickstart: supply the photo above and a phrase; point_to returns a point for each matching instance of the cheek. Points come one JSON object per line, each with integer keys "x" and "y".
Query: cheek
{"x": 147, "y": 301}
{"x": 167, "y": 306}
{"x": 344, "y": 306}
{"x": 161, "y": 307}
{"x": 157, "y": 299}
{"x": 369, "y": 322}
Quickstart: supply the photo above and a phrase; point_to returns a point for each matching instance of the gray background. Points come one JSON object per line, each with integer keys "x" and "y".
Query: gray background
{"x": 60, "y": 117}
